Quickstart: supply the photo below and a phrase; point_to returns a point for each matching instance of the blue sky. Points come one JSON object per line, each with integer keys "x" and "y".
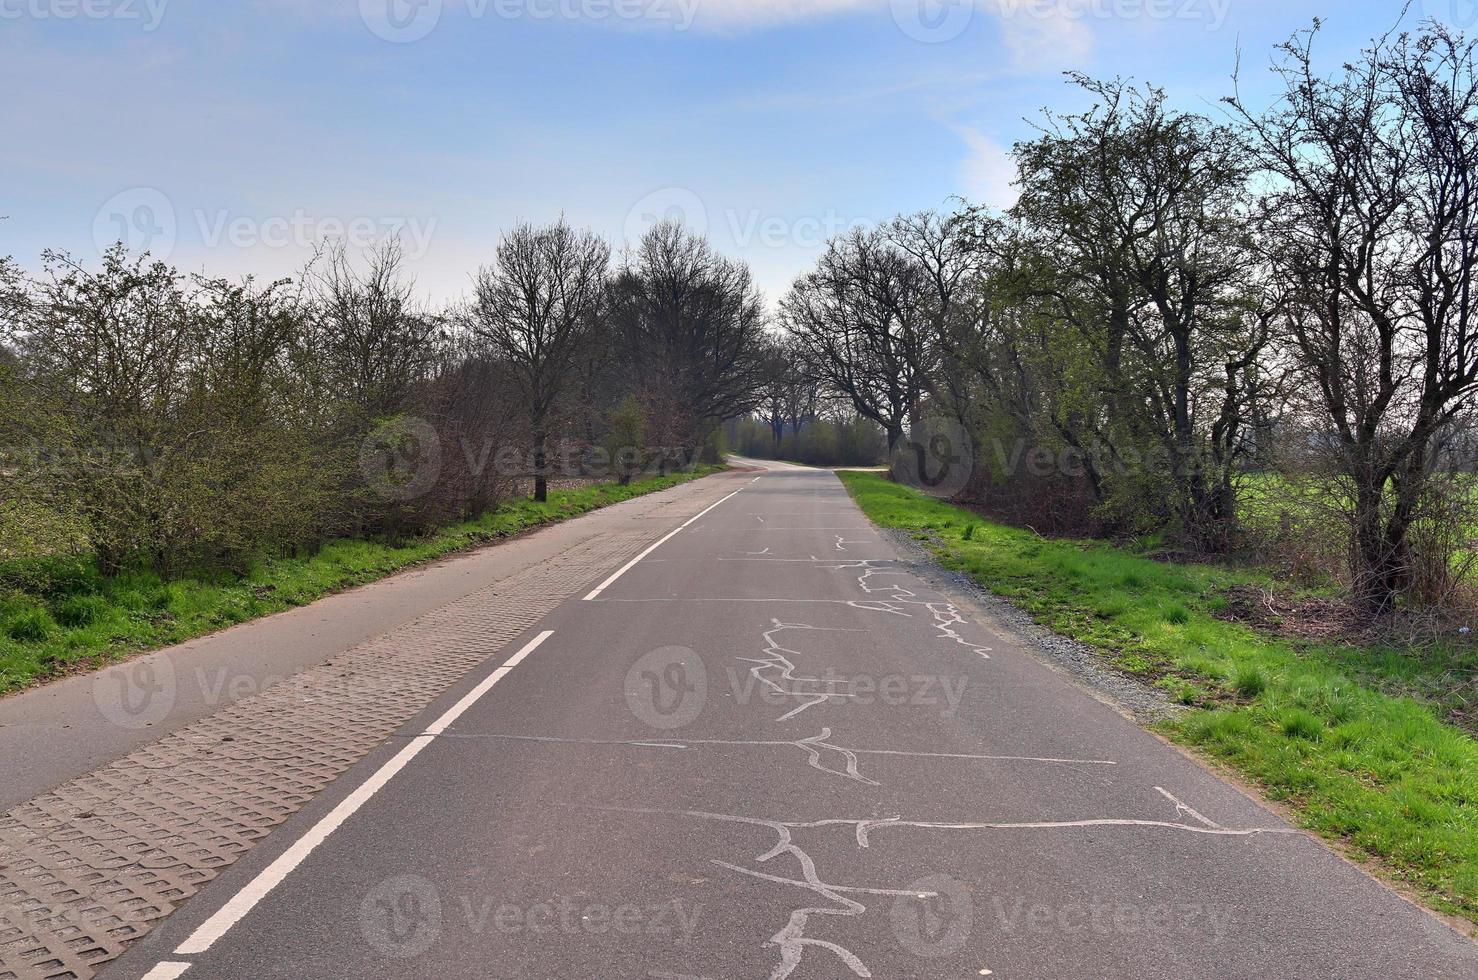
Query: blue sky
{"x": 229, "y": 136}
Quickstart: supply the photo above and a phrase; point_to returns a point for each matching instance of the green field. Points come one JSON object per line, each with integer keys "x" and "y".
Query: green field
{"x": 59, "y": 616}
{"x": 1356, "y": 740}
{"x": 1303, "y": 524}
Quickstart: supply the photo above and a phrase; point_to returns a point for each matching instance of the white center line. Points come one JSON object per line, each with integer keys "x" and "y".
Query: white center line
{"x": 665, "y": 538}
{"x": 166, "y": 970}
{"x": 270, "y": 877}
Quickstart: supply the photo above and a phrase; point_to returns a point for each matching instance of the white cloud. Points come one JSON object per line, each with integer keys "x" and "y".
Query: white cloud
{"x": 1037, "y": 31}
{"x": 987, "y": 171}
{"x": 1034, "y": 31}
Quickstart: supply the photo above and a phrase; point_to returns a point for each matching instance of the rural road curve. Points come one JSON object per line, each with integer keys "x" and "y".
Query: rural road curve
{"x": 767, "y": 749}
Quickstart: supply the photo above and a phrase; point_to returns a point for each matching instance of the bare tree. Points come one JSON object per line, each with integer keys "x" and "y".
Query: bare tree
{"x": 803, "y": 393}
{"x": 1371, "y": 225}
{"x": 372, "y": 339}
{"x": 864, "y": 319}
{"x": 946, "y": 265}
{"x": 691, "y": 326}
{"x": 535, "y": 308}
{"x": 778, "y": 382}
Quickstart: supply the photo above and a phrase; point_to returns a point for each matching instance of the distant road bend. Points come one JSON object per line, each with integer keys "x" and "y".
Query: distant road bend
{"x": 752, "y": 742}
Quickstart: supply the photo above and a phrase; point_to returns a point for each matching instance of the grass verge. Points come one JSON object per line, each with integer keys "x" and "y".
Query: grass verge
{"x": 1312, "y": 724}
{"x": 59, "y": 616}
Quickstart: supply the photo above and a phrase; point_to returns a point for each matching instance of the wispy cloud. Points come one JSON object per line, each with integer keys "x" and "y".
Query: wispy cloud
{"x": 987, "y": 170}
{"x": 1030, "y": 29}
{"x": 1037, "y": 31}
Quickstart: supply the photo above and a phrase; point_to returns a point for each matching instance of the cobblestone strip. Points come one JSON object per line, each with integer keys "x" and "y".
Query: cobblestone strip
{"x": 89, "y": 867}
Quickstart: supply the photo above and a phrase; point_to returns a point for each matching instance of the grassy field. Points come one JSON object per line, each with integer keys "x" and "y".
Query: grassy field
{"x": 58, "y": 616}
{"x": 1353, "y": 739}
{"x": 1304, "y": 523}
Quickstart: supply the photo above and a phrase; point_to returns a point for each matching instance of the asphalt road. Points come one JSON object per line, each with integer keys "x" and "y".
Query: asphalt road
{"x": 767, "y": 749}
{"x": 66, "y": 729}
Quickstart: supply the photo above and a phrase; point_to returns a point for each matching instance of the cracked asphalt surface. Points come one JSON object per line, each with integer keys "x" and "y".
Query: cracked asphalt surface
{"x": 768, "y": 749}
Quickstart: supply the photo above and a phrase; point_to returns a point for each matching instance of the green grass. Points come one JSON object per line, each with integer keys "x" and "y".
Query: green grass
{"x": 1320, "y": 727}
{"x": 59, "y": 616}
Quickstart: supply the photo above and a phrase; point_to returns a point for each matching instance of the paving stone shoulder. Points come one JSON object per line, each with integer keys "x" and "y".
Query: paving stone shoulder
{"x": 89, "y": 867}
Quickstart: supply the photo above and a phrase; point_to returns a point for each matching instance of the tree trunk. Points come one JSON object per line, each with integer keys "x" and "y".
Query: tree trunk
{"x": 1381, "y": 565}
{"x": 541, "y": 468}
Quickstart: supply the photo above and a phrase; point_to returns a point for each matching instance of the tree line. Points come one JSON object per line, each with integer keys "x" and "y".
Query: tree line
{"x": 187, "y": 422}
{"x": 1180, "y": 308}
{"x": 1180, "y": 302}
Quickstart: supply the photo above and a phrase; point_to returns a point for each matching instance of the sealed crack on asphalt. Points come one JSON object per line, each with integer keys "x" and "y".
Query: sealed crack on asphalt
{"x": 1085, "y": 663}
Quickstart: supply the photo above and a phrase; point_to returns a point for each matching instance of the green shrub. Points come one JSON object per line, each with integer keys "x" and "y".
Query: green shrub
{"x": 1249, "y": 682}
{"x": 81, "y": 610}
{"x": 1300, "y": 724}
{"x": 29, "y": 625}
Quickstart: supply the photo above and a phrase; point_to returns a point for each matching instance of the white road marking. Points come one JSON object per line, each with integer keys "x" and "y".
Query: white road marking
{"x": 706, "y": 510}
{"x": 518, "y": 657}
{"x": 1185, "y": 808}
{"x": 258, "y": 888}
{"x": 595, "y": 594}
{"x": 166, "y": 970}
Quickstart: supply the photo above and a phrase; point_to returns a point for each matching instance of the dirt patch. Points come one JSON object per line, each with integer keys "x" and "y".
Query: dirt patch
{"x": 1284, "y": 614}
{"x": 1336, "y": 619}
